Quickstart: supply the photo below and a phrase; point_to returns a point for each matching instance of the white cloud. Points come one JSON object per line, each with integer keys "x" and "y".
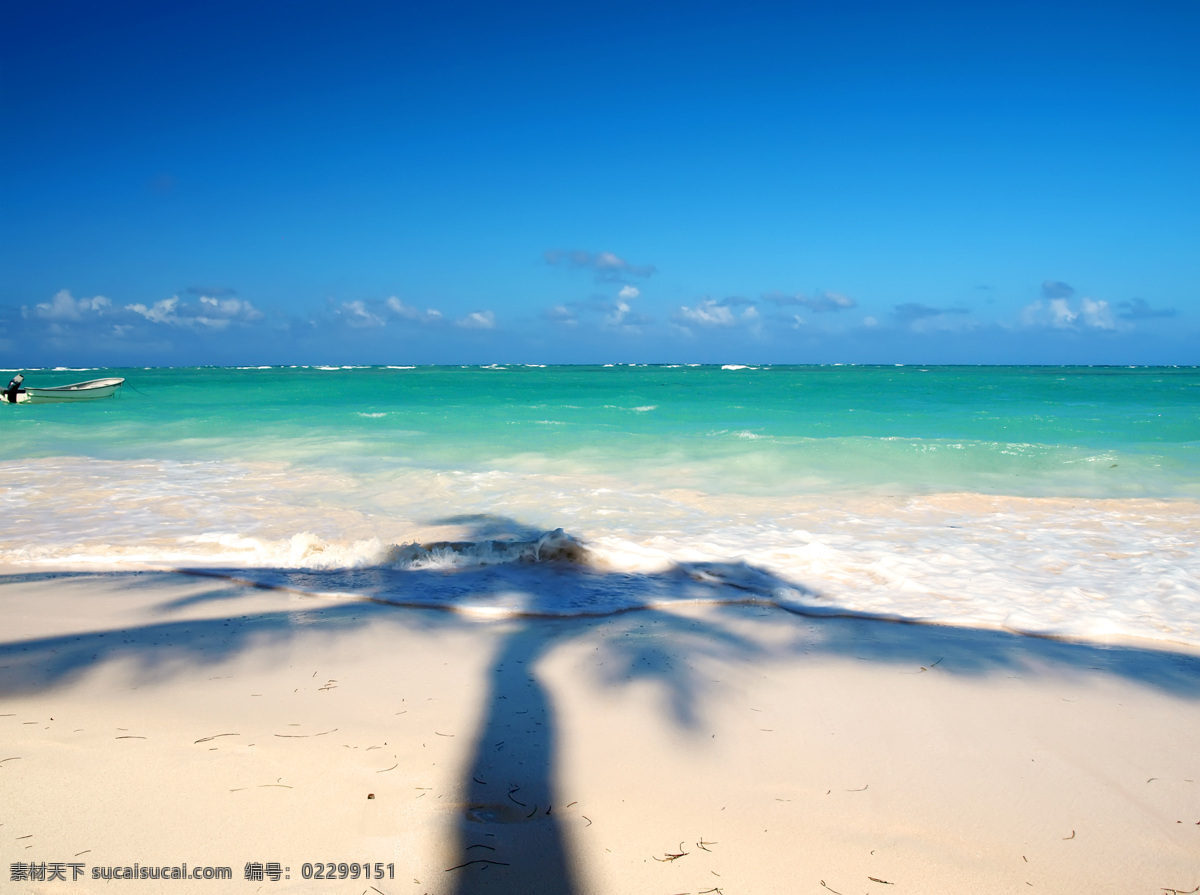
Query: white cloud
{"x": 64, "y": 308}
{"x": 408, "y": 312}
{"x": 160, "y": 312}
{"x": 620, "y": 309}
{"x": 1060, "y": 313}
{"x": 229, "y": 308}
{"x": 1097, "y": 314}
{"x": 621, "y": 314}
{"x": 606, "y": 266}
{"x": 707, "y": 313}
{"x": 357, "y": 315}
{"x": 606, "y": 313}
{"x": 713, "y": 314}
{"x": 208, "y": 313}
{"x": 478, "y": 320}
{"x": 609, "y": 261}
{"x": 374, "y": 314}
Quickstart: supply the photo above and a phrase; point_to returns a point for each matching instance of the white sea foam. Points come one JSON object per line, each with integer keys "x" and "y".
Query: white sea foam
{"x": 549, "y": 546}
{"x": 1065, "y": 566}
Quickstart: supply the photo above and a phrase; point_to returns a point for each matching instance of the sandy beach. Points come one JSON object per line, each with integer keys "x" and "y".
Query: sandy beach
{"x": 160, "y": 718}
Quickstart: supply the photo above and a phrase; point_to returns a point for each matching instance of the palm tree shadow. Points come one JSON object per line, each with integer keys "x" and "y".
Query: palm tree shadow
{"x": 508, "y": 838}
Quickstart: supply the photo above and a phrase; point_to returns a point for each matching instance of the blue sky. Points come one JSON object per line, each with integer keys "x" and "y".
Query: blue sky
{"x": 461, "y": 182}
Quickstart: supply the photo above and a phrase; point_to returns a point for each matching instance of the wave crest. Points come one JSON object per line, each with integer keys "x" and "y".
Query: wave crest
{"x": 552, "y": 546}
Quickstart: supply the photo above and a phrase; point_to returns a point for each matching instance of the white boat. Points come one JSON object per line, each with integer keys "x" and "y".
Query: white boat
{"x": 77, "y": 391}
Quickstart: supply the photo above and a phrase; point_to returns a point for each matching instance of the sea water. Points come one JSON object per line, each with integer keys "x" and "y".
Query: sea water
{"x": 1059, "y": 500}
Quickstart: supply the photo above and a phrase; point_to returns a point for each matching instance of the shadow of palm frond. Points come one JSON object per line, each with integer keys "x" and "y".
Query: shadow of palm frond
{"x": 508, "y": 839}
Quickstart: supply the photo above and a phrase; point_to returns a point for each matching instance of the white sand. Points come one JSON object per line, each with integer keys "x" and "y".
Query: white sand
{"x": 162, "y": 718}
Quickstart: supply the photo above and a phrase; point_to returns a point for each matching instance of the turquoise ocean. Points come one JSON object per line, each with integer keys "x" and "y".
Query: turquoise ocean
{"x": 1058, "y": 500}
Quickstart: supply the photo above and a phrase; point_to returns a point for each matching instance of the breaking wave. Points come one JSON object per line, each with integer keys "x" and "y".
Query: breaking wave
{"x": 553, "y": 546}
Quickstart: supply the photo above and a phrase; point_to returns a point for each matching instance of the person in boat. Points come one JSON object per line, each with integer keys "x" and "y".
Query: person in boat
{"x": 14, "y": 388}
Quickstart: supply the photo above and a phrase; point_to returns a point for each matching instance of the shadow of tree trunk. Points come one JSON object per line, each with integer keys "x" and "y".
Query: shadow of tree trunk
{"x": 509, "y": 836}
